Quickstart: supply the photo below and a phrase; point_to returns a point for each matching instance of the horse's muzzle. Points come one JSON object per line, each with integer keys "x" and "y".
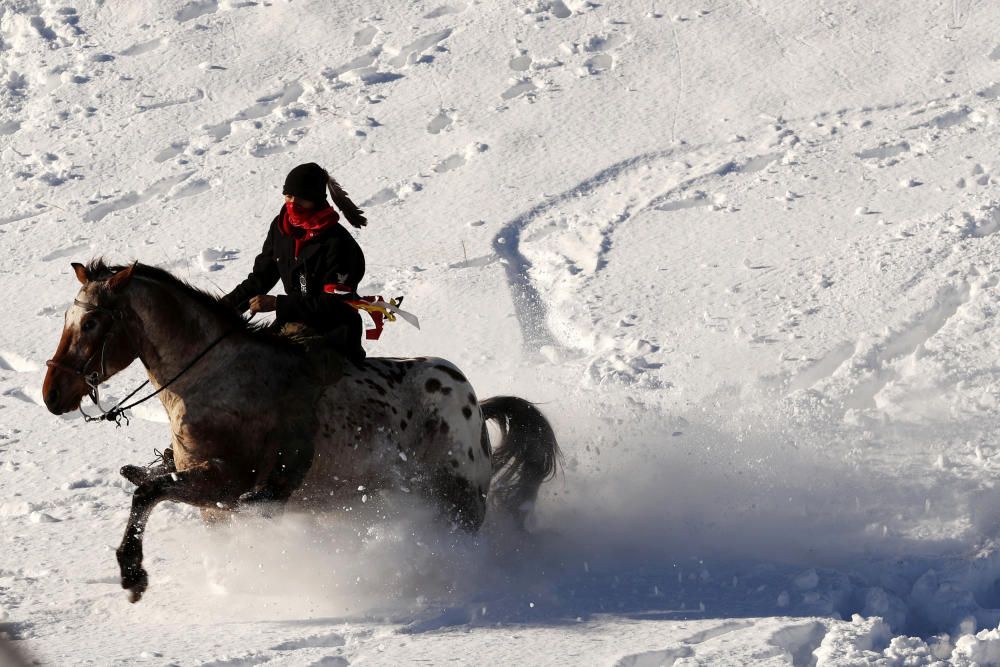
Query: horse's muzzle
{"x": 58, "y": 397}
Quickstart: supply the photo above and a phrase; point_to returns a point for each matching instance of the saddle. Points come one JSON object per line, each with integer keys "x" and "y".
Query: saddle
{"x": 325, "y": 353}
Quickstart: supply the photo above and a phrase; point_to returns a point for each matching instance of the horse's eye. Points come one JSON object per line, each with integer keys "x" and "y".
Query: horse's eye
{"x": 89, "y": 325}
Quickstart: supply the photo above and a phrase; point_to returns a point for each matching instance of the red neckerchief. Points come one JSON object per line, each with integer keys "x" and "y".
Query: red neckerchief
{"x": 303, "y": 225}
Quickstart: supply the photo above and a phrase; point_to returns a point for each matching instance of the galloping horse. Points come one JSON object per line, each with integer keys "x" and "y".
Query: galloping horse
{"x": 249, "y": 408}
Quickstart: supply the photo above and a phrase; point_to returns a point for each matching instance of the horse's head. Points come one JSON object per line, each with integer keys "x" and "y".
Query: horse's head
{"x": 95, "y": 343}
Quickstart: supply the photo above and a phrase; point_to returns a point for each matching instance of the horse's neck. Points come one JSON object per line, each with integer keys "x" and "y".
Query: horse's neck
{"x": 175, "y": 329}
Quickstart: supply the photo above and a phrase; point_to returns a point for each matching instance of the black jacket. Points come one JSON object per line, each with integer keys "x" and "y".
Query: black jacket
{"x": 333, "y": 257}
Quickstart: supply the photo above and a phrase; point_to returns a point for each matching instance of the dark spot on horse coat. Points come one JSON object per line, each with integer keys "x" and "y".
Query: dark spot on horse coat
{"x": 446, "y": 390}
{"x": 409, "y": 414}
{"x": 467, "y": 412}
{"x": 472, "y": 457}
{"x": 432, "y": 385}
{"x": 436, "y": 426}
{"x": 402, "y": 425}
{"x": 454, "y": 463}
{"x": 376, "y": 386}
{"x": 451, "y": 372}
{"x": 472, "y": 399}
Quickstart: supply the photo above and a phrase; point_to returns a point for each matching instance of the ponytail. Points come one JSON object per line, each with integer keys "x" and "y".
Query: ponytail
{"x": 354, "y": 215}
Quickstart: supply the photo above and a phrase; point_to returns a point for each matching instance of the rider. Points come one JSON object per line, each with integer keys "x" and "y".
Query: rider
{"x": 320, "y": 265}
{"x": 317, "y": 260}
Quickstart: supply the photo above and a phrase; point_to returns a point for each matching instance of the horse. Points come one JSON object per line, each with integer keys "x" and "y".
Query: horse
{"x": 258, "y": 419}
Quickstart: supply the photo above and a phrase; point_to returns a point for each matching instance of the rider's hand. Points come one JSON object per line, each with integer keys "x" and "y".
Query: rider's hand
{"x": 264, "y": 303}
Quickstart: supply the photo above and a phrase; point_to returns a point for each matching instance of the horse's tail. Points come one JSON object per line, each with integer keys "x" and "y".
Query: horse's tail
{"x": 526, "y": 456}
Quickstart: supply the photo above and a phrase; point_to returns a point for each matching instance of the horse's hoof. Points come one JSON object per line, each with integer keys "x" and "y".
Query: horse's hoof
{"x": 135, "y": 581}
{"x": 135, "y": 474}
{"x": 259, "y": 494}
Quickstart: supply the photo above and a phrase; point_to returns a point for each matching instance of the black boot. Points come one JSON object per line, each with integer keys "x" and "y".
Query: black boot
{"x": 163, "y": 464}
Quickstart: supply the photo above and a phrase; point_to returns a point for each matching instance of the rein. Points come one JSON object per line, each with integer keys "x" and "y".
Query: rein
{"x": 117, "y": 413}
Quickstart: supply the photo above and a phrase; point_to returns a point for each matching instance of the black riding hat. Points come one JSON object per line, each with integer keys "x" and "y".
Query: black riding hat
{"x": 307, "y": 181}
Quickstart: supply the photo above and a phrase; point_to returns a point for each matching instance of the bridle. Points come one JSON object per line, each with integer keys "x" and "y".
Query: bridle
{"x": 94, "y": 378}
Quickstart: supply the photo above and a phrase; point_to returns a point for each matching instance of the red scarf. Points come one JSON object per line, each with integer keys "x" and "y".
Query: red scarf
{"x": 303, "y": 224}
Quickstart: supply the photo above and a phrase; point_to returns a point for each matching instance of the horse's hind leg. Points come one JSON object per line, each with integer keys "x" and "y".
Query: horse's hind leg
{"x": 460, "y": 501}
{"x": 205, "y": 485}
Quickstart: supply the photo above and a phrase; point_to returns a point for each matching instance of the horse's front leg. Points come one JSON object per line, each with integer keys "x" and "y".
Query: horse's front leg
{"x": 205, "y": 485}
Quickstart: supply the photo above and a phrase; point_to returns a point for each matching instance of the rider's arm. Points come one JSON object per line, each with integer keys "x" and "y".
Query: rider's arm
{"x": 261, "y": 279}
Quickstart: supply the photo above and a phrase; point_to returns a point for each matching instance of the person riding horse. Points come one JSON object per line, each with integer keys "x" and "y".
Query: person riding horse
{"x": 318, "y": 262}
{"x": 320, "y": 265}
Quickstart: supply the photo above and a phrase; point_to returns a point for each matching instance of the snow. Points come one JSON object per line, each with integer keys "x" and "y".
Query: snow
{"x": 743, "y": 255}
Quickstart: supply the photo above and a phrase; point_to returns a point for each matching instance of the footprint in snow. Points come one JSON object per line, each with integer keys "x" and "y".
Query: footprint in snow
{"x": 520, "y": 63}
{"x": 441, "y": 122}
{"x": 65, "y": 252}
{"x": 261, "y": 148}
{"x": 330, "y": 661}
{"x": 365, "y": 36}
{"x": 559, "y": 9}
{"x": 211, "y": 259}
{"x": 49, "y": 311}
{"x": 196, "y": 9}
{"x": 331, "y": 640}
{"x": 598, "y": 63}
{"x": 19, "y": 394}
{"x": 519, "y": 87}
{"x": 143, "y": 47}
{"x": 15, "y": 362}
{"x": 195, "y": 96}
{"x": 263, "y": 106}
{"x": 449, "y": 163}
{"x": 718, "y": 631}
{"x": 365, "y": 61}
{"x": 991, "y": 92}
{"x": 664, "y": 658}
{"x": 189, "y": 188}
{"x": 392, "y": 193}
{"x": 130, "y": 199}
{"x": 799, "y": 641}
{"x": 414, "y": 52}
{"x": 255, "y": 658}
{"x": 446, "y": 10}
{"x": 171, "y": 151}
{"x": 70, "y": 20}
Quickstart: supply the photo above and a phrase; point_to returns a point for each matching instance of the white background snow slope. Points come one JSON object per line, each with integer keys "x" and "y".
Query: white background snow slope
{"x": 743, "y": 253}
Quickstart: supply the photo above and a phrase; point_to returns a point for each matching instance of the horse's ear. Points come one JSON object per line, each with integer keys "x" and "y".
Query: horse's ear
{"x": 118, "y": 281}
{"x": 81, "y": 273}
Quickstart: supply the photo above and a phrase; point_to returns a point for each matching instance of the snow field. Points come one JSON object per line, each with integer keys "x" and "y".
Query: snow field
{"x": 743, "y": 256}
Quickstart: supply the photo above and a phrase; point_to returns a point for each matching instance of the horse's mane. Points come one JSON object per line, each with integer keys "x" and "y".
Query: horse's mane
{"x": 97, "y": 269}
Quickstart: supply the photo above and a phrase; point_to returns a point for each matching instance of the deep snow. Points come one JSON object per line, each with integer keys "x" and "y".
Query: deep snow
{"x": 741, "y": 253}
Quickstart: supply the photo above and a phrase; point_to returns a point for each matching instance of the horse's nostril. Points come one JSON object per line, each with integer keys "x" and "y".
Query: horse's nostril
{"x": 52, "y": 396}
